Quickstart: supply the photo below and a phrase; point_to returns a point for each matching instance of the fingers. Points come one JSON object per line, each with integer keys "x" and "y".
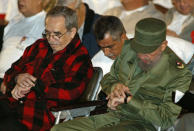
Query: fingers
{"x": 118, "y": 95}
{"x": 19, "y": 92}
{"x": 119, "y": 90}
{"x": 16, "y": 94}
{"x": 3, "y": 88}
{"x": 126, "y": 90}
{"x": 26, "y": 80}
{"x": 129, "y": 98}
{"x": 113, "y": 103}
{"x": 32, "y": 78}
{"x": 26, "y": 83}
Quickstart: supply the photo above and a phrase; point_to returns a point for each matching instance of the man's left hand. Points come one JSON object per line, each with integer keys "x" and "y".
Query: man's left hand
{"x": 19, "y": 92}
{"x": 117, "y": 96}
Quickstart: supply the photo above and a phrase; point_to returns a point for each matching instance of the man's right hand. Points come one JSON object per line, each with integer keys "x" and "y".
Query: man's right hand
{"x": 25, "y": 80}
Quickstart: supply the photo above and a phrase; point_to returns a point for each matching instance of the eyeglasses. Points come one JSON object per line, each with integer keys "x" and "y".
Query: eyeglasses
{"x": 55, "y": 35}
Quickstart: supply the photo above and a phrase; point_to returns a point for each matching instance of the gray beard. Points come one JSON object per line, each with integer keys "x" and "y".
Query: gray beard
{"x": 147, "y": 66}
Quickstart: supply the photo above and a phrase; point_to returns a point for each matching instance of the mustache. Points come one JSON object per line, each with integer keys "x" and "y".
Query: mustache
{"x": 111, "y": 56}
{"x": 53, "y": 43}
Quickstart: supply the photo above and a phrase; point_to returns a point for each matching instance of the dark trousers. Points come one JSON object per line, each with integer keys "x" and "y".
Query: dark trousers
{"x": 9, "y": 117}
{"x": 1, "y": 80}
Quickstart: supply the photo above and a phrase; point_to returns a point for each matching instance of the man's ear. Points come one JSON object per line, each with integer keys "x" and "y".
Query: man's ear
{"x": 73, "y": 32}
{"x": 164, "y": 45}
{"x": 123, "y": 37}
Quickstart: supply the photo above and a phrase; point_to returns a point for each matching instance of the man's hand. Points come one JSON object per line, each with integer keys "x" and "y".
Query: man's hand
{"x": 3, "y": 88}
{"x": 19, "y": 92}
{"x": 117, "y": 96}
{"x": 25, "y": 80}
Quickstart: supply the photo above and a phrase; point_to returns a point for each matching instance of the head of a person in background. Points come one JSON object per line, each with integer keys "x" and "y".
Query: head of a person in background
{"x": 49, "y": 4}
{"x": 133, "y": 4}
{"x": 110, "y": 35}
{"x": 184, "y": 7}
{"x": 60, "y": 27}
{"x": 73, "y": 4}
{"x": 149, "y": 42}
{"x": 76, "y": 5}
{"x": 30, "y": 7}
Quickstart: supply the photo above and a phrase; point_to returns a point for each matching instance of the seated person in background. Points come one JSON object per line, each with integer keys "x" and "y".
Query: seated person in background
{"x": 86, "y": 18}
{"x": 146, "y": 69}
{"x": 3, "y": 9}
{"x": 132, "y": 11}
{"x": 167, "y": 4}
{"x": 98, "y": 4}
{"x": 111, "y": 36}
{"x": 59, "y": 65}
{"x": 12, "y": 10}
{"x": 22, "y": 31}
{"x": 180, "y": 19}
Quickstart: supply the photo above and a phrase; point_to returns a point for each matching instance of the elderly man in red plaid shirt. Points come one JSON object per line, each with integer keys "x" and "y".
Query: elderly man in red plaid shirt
{"x": 55, "y": 68}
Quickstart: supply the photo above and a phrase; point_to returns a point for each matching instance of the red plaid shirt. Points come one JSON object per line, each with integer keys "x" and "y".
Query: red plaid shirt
{"x": 61, "y": 76}
{"x": 192, "y": 36}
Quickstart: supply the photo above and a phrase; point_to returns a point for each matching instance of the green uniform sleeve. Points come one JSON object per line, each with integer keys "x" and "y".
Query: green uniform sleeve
{"x": 116, "y": 74}
{"x": 163, "y": 113}
{"x": 110, "y": 79}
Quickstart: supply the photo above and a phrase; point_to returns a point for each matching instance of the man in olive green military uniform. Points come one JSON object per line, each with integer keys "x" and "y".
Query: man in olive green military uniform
{"x": 147, "y": 70}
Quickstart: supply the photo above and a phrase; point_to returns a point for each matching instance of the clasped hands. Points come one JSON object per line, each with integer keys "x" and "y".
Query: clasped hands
{"x": 24, "y": 83}
{"x": 117, "y": 96}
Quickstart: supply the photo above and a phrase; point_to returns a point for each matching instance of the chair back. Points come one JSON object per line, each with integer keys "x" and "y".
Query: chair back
{"x": 94, "y": 86}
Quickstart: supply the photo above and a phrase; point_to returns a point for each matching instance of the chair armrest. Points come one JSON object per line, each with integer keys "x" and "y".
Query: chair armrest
{"x": 79, "y": 105}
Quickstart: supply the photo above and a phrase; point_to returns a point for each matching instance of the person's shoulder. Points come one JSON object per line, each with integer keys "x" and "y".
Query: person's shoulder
{"x": 115, "y": 11}
{"x": 39, "y": 17}
{"x": 81, "y": 51}
{"x": 174, "y": 61}
{"x": 19, "y": 17}
{"x": 40, "y": 43}
{"x": 127, "y": 46}
{"x": 168, "y": 16}
{"x": 182, "y": 48}
{"x": 127, "y": 52}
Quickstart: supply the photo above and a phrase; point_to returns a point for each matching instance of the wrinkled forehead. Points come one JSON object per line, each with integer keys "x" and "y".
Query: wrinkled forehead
{"x": 55, "y": 23}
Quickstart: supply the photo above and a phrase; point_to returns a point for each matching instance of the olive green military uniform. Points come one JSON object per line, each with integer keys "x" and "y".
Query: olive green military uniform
{"x": 151, "y": 104}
